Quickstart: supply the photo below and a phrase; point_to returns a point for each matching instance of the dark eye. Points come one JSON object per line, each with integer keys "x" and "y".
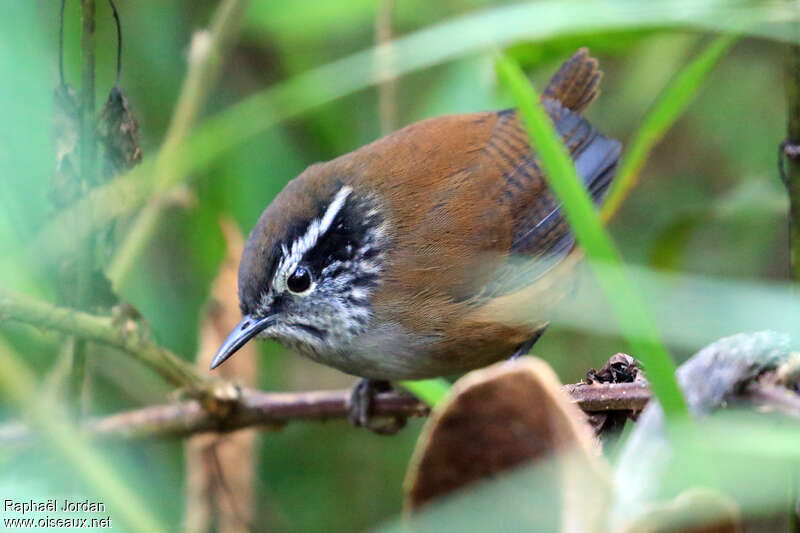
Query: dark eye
{"x": 299, "y": 281}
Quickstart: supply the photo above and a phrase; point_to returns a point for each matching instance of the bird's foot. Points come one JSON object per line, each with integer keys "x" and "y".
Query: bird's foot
{"x": 361, "y": 408}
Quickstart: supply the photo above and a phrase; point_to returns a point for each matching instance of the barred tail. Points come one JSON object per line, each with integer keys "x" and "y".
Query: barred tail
{"x": 576, "y": 83}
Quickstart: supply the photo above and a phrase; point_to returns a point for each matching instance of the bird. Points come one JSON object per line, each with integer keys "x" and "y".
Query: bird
{"x": 388, "y": 262}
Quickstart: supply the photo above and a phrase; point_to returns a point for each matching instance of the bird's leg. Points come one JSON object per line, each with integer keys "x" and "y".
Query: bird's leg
{"x": 526, "y": 346}
{"x": 361, "y": 407}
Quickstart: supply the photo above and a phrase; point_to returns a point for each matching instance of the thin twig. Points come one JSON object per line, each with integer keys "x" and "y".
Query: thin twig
{"x": 88, "y": 158}
{"x": 88, "y": 145}
{"x": 61, "y": 80}
{"x": 791, "y": 151}
{"x": 115, "y": 13}
{"x": 126, "y": 337}
{"x": 610, "y": 396}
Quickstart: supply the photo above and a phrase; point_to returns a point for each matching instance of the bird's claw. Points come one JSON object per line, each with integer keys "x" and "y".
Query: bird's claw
{"x": 361, "y": 408}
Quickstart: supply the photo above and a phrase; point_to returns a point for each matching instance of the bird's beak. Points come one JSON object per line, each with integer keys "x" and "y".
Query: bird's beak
{"x": 248, "y": 328}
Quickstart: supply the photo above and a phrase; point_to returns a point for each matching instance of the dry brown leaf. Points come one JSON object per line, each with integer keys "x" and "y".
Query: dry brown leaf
{"x": 220, "y": 468}
{"x": 119, "y": 133}
{"x": 502, "y": 417}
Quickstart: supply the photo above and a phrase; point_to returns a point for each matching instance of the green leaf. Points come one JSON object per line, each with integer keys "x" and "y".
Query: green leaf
{"x": 430, "y": 391}
{"x": 635, "y": 321}
{"x": 669, "y": 106}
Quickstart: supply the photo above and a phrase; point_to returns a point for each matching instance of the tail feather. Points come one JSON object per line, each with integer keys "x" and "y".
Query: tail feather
{"x": 576, "y": 83}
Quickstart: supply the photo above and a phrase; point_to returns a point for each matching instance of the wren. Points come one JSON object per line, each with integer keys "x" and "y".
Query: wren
{"x": 382, "y": 263}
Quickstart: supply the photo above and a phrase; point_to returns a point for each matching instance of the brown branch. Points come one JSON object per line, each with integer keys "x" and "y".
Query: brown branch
{"x": 222, "y": 407}
{"x": 253, "y": 408}
{"x": 610, "y": 396}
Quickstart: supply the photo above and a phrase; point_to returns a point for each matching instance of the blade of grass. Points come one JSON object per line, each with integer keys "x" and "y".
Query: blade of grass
{"x": 634, "y": 319}
{"x": 690, "y": 309}
{"x": 670, "y": 105}
{"x": 491, "y": 28}
{"x": 18, "y": 386}
{"x": 430, "y": 391}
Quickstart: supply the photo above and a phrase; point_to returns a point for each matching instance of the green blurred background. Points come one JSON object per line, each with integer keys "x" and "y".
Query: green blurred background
{"x": 709, "y": 202}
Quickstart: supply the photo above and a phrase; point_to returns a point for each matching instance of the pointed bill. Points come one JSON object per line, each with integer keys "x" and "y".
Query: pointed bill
{"x": 248, "y": 328}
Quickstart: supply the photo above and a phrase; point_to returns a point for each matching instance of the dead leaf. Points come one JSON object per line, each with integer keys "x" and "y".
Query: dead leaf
{"x": 118, "y": 132}
{"x": 502, "y": 417}
{"x": 220, "y": 468}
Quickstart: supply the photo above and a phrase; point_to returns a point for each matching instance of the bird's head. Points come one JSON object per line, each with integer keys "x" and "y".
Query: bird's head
{"x": 310, "y": 266}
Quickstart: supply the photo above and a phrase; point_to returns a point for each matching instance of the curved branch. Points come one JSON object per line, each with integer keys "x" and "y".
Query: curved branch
{"x": 126, "y": 337}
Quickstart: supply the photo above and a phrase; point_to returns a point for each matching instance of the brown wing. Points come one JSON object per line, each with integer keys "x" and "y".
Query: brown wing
{"x": 465, "y": 192}
{"x": 451, "y": 229}
{"x": 540, "y": 230}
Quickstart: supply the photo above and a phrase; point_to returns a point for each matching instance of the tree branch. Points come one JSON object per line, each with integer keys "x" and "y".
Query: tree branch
{"x": 252, "y": 408}
{"x": 256, "y": 408}
{"x": 126, "y": 337}
{"x": 610, "y": 396}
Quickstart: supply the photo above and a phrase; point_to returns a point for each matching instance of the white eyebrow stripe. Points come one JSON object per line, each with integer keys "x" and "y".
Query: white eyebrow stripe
{"x": 315, "y": 230}
{"x": 334, "y": 208}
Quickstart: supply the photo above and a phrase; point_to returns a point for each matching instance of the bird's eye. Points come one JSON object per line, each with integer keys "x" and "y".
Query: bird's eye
{"x": 299, "y": 281}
